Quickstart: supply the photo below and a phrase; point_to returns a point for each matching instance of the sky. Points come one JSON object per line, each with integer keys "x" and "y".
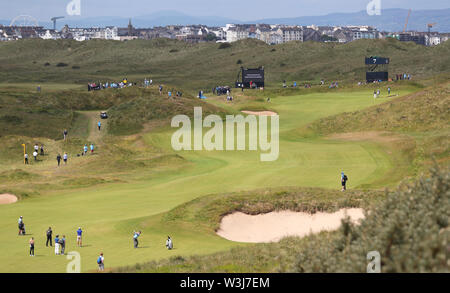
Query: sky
{"x": 235, "y": 9}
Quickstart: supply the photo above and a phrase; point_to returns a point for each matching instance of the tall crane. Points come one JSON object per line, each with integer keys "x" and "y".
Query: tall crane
{"x": 407, "y": 19}
{"x": 430, "y": 25}
{"x": 54, "y": 21}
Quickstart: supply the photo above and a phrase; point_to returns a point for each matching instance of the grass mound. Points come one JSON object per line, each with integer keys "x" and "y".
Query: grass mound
{"x": 409, "y": 230}
{"x": 422, "y": 111}
{"x": 210, "y": 64}
{"x": 129, "y": 117}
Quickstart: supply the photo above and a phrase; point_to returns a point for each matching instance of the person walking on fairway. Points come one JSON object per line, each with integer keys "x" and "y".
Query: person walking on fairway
{"x": 99, "y": 124}
{"x": 36, "y": 147}
{"x": 79, "y": 241}
{"x": 26, "y": 158}
{"x": 101, "y": 262}
{"x": 92, "y": 148}
{"x": 65, "y": 158}
{"x": 31, "y": 246}
{"x": 58, "y": 158}
{"x": 35, "y": 154}
{"x": 21, "y": 225}
{"x": 169, "y": 243}
{"x": 49, "y": 236}
{"x": 62, "y": 241}
{"x": 135, "y": 238}
{"x": 57, "y": 245}
{"x": 42, "y": 149}
{"x": 389, "y": 90}
{"x": 85, "y": 149}
{"x": 65, "y": 134}
{"x": 344, "y": 179}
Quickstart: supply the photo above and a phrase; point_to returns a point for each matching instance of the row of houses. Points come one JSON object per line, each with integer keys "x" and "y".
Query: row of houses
{"x": 271, "y": 34}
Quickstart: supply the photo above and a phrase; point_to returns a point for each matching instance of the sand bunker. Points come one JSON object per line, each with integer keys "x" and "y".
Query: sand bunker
{"x": 7, "y": 198}
{"x": 260, "y": 113}
{"x": 271, "y": 227}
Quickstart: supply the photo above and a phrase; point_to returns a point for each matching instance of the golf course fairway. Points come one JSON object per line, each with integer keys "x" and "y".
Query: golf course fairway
{"x": 110, "y": 212}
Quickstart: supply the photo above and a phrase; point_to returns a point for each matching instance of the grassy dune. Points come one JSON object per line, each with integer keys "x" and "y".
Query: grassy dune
{"x": 135, "y": 180}
{"x": 205, "y": 65}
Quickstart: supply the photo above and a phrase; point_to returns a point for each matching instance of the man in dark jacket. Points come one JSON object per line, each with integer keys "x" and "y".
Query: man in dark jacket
{"x": 49, "y": 236}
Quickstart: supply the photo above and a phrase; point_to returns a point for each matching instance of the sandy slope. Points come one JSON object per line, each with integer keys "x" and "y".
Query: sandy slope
{"x": 271, "y": 227}
{"x": 7, "y": 198}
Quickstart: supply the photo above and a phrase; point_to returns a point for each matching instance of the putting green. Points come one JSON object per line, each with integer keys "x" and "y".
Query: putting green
{"x": 109, "y": 213}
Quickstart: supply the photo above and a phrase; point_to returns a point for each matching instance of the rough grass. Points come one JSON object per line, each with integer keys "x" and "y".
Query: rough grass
{"x": 204, "y": 65}
{"x": 130, "y": 117}
{"x": 209, "y": 210}
{"x": 409, "y": 229}
{"x": 421, "y": 111}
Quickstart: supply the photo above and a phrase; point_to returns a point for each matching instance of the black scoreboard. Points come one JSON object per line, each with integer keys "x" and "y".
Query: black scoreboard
{"x": 376, "y": 60}
{"x": 254, "y": 75}
{"x": 377, "y": 68}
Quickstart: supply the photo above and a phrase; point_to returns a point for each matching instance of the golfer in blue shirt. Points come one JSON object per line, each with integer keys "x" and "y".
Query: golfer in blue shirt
{"x": 79, "y": 232}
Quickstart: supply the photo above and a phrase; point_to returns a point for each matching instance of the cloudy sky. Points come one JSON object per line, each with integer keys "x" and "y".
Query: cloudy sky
{"x": 235, "y": 9}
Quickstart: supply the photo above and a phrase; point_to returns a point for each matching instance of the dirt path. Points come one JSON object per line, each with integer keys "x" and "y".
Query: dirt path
{"x": 95, "y": 135}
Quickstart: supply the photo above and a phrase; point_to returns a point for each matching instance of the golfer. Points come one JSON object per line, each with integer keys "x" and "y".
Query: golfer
{"x": 344, "y": 179}
{"x": 21, "y": 225}
{"x": 99, "y": 124}
{"x": 57, "y": 245}
{"x": 85, "y": 149}
{"x": 79, "y": 232}
{"x": 49, "y": 236}
{"x": 58, "y": 158}
{"x": 65, "y": 158}
{"x": 101, "y": 262}
{"x": 62, "y": 241}
{"x": 31, "y": 246}
{"x": 135, "y": 238}
{"x": 169, "y": 243}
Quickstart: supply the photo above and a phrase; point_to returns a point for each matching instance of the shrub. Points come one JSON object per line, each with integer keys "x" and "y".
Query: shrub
{"x": 409, "y": 230}
{"x": 61, "y": 64}
{"x": 224, "y": 45}
{"x": 239, "y": 61}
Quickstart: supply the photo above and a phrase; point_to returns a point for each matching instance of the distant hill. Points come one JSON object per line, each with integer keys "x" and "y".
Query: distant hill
{"x": 389, "y": 20}
{"x": 210, "y": 64}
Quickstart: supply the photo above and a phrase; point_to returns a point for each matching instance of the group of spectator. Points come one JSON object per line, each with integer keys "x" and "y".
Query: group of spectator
{"x": 403, "y": 76}
{"x": 221, "y": 90}
{"x": 99, "y": 86}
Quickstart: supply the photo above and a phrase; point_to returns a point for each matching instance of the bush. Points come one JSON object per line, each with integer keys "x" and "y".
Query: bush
{"x": 239, "y": 61}
{"x": 75, "y": 67}
{"x": 224, "y": 45}
{"x": 47, "y": 64}
{"x": 61, "y": 64}
{"x": 409, "y": 230}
